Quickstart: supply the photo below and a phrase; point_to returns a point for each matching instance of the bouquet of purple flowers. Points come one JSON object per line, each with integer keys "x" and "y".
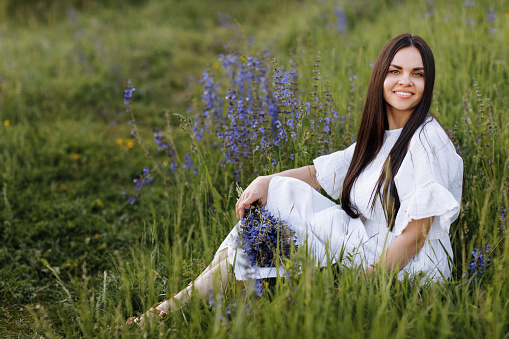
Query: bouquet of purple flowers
{"x": 265, "y": 237}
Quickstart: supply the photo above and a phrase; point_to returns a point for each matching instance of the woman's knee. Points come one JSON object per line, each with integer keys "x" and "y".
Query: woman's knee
{"x": 222, "y": 255}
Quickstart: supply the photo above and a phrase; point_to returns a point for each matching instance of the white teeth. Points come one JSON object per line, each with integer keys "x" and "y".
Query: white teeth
{"x": 404, "y": 93}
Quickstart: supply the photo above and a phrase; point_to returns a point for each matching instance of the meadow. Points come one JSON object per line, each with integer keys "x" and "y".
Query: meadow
{"x": 125, "y": 135}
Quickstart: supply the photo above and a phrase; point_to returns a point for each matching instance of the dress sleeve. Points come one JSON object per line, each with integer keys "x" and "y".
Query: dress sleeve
{"x": 429, "y": 181}
{"x": 331, "y": 170}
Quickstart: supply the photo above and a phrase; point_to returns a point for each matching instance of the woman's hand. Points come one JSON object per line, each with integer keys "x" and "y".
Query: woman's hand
{"x": 256, "y": 191}
{"x": 404, "y": 247}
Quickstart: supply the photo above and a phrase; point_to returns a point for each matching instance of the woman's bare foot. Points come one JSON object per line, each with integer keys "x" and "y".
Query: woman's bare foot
{"x": 215, "y": 274}
{"x": 160, "y": 310}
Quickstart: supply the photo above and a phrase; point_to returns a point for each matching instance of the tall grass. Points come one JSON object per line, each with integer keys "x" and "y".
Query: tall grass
{"x": 79, "y": 259}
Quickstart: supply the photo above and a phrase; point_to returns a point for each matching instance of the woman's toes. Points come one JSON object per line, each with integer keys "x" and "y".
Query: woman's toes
{"x": 131, "y": 320}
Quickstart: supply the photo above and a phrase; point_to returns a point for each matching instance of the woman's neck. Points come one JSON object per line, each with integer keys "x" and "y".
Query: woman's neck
{"x": 397, "y": 119}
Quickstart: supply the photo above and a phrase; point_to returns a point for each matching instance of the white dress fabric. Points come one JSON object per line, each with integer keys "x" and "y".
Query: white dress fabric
{"x": 429, "y": 184}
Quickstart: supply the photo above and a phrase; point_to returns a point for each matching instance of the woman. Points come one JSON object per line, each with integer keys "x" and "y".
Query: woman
{"x": 399, "y": 186}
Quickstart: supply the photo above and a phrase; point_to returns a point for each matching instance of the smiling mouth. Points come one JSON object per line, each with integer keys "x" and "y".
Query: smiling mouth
{"x": 403, "y": 94}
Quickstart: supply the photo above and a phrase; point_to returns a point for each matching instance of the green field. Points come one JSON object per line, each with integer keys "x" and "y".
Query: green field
{"x": 77, "y": 258}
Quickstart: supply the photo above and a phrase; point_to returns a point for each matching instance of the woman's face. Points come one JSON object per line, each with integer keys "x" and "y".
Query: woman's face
{"x": 404, "y": 82}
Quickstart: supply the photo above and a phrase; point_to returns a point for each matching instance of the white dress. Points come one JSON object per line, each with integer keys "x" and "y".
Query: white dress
{"x": 429, "y": 184}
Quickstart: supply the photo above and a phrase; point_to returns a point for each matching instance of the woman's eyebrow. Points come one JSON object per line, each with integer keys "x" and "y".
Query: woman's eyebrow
{"x": 414, "y": 69}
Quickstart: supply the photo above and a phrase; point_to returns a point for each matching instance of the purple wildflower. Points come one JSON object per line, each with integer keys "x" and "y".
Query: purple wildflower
{"x": 480, "y": 259}
{"x": 140, "y": 182}
{"x": 262, "y": 234}
{"x": 189, "y": 164}
{"x": 128, "y": 93}
{"x": 143, "y": 180}
{"x": 491, "y": 16}
{"x": 341, "y": 20}
{"x": 258, "y": 288}
{"x": 160, "y": 140}
{"x": 212, "y": 113}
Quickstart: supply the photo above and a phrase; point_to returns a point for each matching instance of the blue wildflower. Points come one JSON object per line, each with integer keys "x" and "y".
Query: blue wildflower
{"x": 140, "y": 182}
{"x": 212, "y": 301}
{"x": 480, "y": 259}
{"x": 224, "y": 20}
{"x": 188, "y": 162}
{"x": 258, "y": 288}
{"x": 352, "y": 80}
{"x": 261, "y": 233}
{"x": 160, "y": 140}
{"x": 212, "y": 112}
{"x": 128, "y": 93}
{"x": 143, "y": 179}
{"x": 341, "y": 20}
{"x": 491, "y": 16}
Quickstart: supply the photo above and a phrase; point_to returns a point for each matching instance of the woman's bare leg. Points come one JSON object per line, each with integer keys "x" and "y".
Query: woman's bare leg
{"x": 216, "y": 274}
{"x": 222, "y": 255}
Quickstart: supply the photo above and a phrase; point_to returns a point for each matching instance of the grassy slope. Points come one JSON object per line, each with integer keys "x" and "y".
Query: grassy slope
{"x": 63, "y": 167}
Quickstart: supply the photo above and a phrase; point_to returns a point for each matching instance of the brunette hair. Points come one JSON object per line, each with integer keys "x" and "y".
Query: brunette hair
{"x": 374, "y": 123}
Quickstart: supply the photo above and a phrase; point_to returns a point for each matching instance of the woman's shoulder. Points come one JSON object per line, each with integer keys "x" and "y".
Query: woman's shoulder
{"x": 431, "y": 137}
{"x": 345, "y": 154}
{"x": 431, "y": 158}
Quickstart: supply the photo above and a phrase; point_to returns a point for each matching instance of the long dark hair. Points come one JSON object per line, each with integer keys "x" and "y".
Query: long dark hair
{"x": 374, "y": 123}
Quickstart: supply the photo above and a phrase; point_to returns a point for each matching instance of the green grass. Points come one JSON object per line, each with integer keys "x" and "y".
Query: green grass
{"x": 76, "y": 258}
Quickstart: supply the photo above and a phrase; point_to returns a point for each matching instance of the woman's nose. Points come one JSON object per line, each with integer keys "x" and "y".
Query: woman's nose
{"x": 405, "y": 80}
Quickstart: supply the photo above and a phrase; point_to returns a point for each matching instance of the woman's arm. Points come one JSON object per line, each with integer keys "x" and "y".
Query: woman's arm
{"x": 257, "y": 190}
{"x": 404, "y": 247}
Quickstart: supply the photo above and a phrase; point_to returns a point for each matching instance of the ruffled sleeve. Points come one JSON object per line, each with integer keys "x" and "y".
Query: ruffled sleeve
{"x": 331, "y": 170}
{"x": 429, "y": 181}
